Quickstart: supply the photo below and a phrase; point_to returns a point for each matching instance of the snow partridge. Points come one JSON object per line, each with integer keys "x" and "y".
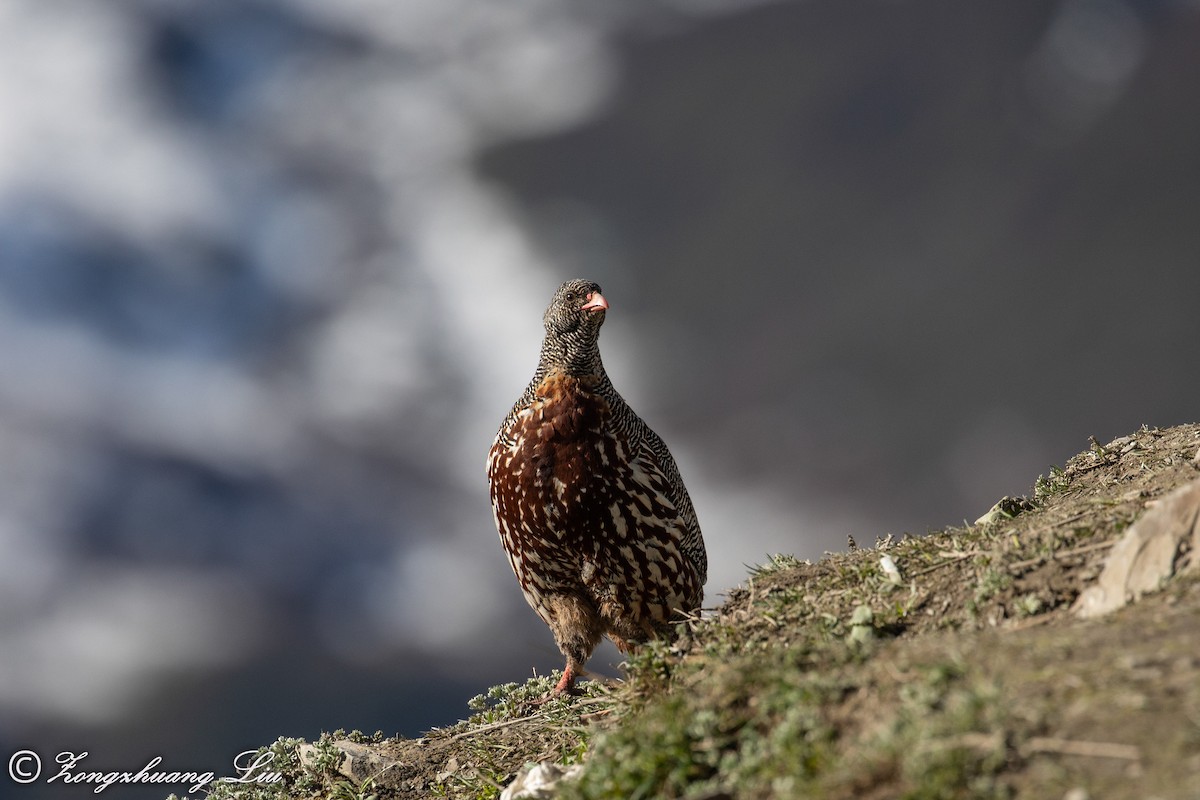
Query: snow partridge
{"x": 591, "y": 510}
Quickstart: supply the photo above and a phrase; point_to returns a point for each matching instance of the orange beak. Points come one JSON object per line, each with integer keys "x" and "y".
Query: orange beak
{"x": 596, "y": 302}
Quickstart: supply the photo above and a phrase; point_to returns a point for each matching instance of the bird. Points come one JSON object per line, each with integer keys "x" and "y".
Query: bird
{"x": 588, "y": 501}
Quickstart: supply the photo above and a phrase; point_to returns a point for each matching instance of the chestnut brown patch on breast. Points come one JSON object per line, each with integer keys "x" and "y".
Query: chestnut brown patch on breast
{"x": 563, "y": 441}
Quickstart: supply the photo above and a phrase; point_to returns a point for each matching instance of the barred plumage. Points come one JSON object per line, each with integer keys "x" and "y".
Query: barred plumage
{"x": 590, "y": 507}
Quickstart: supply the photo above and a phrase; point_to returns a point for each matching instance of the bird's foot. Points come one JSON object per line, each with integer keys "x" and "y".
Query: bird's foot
{"x": 555, "y": 694}
{"x": 564, "y": 688}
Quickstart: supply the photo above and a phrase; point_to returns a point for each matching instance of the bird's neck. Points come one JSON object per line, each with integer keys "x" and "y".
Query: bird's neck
{"x": 573, "y": 359}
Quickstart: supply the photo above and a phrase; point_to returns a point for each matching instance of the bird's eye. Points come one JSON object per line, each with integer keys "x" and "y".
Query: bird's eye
{"x": 572, "y": 296}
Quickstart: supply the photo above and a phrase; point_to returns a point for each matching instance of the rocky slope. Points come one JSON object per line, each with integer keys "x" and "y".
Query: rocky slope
{"x": 953, "y": 665}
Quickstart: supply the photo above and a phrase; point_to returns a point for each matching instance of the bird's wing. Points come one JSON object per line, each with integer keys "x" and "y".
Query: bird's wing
{"x": 654, "y": 466}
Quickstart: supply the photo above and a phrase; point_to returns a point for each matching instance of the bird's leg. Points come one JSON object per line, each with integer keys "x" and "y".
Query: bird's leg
{"x": 566, "y": 684}
{"x": 577, "y": 630}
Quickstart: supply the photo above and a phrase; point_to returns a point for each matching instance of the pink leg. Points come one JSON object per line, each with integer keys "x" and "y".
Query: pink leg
{"x": 566, "y": 684}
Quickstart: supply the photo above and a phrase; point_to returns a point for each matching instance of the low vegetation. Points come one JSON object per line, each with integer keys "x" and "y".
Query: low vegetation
{"x": 941, "y": 666}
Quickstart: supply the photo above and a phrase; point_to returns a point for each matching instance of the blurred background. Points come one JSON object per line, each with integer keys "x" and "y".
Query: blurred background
{"x": 271, "y": 273}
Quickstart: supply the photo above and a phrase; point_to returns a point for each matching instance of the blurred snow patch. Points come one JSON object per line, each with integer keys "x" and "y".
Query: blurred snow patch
{"x": 212, "y": 411}
{"x": 83, "y": 133}
{"x": 99, "y": 646}
{"x": 441, "y": 596}
{"x": 1086, "y": 59}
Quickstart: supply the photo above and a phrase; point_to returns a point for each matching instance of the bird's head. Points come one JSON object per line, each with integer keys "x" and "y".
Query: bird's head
{"x": 573, "y": 321}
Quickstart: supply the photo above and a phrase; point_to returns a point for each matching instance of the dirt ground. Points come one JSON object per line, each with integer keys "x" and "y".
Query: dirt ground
{"x": 962, "y": 672}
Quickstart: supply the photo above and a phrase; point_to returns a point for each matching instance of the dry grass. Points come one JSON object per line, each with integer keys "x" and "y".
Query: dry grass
{"x": 965, "y": 676}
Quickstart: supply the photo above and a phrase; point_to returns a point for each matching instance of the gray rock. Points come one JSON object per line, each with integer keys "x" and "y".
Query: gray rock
{"x": 539, "y": 782}
{"x": 1163, "y": 542}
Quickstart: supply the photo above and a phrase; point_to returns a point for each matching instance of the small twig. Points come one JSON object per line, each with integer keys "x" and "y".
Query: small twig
{"x": 952, "y": 560}
{"x": 962, "y": 553}
{"x": 1077, "y": 747}
{"x": 1031, "y": 622}
{"x": 975, "y": 740}
{"x": 1073, "y": 518}
{"x": 1090, "y": 467}
{"x": 494, "y": 726}
{"x": 604, "y": 712}
{"x": 1074, "y": 551}
{"x": 1047, "y": 528}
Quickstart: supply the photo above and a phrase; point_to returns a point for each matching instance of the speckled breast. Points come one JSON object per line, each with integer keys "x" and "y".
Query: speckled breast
{"x": 550, "y": 495}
